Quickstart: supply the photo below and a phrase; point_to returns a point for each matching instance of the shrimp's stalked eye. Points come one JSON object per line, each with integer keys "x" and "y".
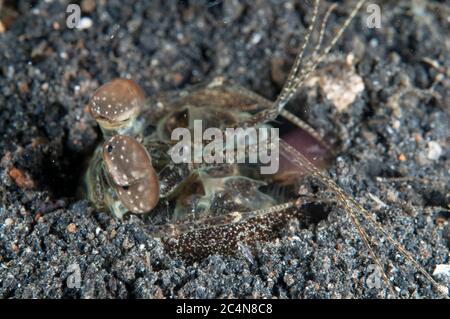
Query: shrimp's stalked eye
{"x": 125, "y": 159}
{"x": 133, "y": 176}
{"x": 116, "y": 103}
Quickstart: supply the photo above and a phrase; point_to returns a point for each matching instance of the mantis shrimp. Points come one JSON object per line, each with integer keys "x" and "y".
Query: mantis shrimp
{"x": 219, "y": 208}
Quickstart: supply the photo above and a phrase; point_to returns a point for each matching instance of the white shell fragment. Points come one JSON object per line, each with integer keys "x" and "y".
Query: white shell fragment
{"x": 339, "y": 81}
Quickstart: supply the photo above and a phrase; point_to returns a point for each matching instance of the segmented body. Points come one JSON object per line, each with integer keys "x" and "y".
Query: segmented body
{"x": 212, "y": 204}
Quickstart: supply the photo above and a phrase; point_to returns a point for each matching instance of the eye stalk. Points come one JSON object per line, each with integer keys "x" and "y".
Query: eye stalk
{"x": 116, "y": 104}
{"x": 132, "y": 174}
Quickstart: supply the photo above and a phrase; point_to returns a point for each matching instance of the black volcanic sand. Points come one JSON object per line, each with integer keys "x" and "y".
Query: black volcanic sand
{"x": 394, "y": 149}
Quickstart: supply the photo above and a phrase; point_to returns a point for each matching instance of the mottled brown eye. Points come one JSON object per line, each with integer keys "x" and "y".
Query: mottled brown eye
{"x": 141, "y": 196}
{"x": 133, "y": 176}
{"x": 126, "y": 159}
{"x": 116, "y": 102}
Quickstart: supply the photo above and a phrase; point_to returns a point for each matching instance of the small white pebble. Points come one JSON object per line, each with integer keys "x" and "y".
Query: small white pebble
{"x": 373, "y": 42}
{"x": 434, "y": 151}
{"x": 63, "y": 55}
{"x": 396, "y": 124}
{"x": 85, "y": 23}
{"x": 9, "y": 221}
{"x": 442, "y": 269}
{"x": 256, "y": 37}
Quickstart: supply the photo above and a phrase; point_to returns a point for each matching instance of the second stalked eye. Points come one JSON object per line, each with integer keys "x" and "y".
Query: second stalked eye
{"x": 130, "y": 167}
{"x": 116, "y": 103}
